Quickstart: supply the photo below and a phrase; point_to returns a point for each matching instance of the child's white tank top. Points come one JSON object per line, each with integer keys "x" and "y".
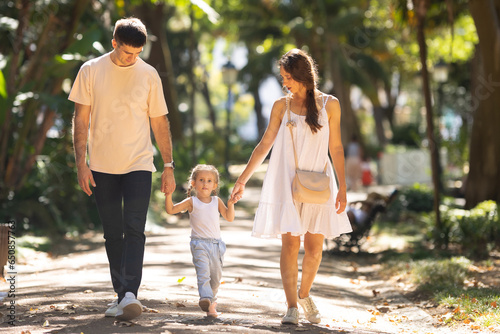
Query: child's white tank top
{"x": 205, "y": 219}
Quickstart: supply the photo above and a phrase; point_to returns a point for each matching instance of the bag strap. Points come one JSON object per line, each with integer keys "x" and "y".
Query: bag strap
{"x": 291, "y": 124}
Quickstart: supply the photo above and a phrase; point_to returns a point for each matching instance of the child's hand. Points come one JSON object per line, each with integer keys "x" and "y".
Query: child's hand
{"x": 231, "y": 201}
{"x": 237, "y": 192}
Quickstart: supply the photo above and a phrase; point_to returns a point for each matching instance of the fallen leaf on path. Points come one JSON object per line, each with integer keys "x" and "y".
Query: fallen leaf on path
{"x": 149, "y": 310}
{"x": 124, "y": 323}
{"x": 88, "y": 291}
{"x": 179, "y": 305}
{"x": 375, "y": 293}
{"x": 46, "y": 324}
{"x": 493, "y": 304}
{"x": 383, "y": 309}
{"x": 179, "y": 281}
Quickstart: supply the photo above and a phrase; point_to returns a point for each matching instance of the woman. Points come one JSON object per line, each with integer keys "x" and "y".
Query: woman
{"x": 317, "y": 131}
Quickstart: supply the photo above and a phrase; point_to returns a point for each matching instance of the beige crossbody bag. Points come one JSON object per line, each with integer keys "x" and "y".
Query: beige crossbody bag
{"x": 307, "y": 187}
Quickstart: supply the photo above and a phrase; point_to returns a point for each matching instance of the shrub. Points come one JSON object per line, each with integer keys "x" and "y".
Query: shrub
{"x": 476, "y": 231}
{"x": 417, "y": 199}
{"x": 441, "y": 273}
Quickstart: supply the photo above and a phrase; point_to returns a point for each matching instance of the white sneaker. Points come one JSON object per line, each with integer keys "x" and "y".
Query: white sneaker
{"x": 291, "y": 317}
{"x": 112, "y": 309}
{"x": 129, "y": 308}
{"x": 310, "y": 310}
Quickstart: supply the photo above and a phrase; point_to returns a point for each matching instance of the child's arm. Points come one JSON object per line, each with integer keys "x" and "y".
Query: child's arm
{"x": 172, "y": 208}
{"x": 227, "y": 212}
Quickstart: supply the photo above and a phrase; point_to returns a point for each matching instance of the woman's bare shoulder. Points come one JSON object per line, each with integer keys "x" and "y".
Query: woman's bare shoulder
{"x": 279, "y": 107}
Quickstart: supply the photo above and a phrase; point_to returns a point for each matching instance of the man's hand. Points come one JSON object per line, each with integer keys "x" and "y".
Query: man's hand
{"x": 84, "y": 178}
{"x": 167, "y": 181}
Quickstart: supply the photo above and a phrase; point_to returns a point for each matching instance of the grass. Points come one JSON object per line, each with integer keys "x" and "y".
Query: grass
{"x": 440, "y": 274}
{"x": 478, "y": 305}
{"x": 42, "y": 244}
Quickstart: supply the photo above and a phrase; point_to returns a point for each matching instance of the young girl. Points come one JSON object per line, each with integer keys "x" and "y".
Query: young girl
{"x": 207, "y": 247}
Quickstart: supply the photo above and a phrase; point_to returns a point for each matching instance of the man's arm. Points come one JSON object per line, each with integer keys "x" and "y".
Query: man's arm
{"x": 81, "y": 120}
{"x": 161, "y": 130}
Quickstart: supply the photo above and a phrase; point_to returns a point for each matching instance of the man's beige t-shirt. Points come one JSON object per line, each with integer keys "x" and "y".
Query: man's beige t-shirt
{"x": 122, "y": 100}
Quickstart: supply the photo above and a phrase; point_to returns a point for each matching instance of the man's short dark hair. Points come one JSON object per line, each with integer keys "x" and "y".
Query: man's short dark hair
{"x": 131, "y": 32}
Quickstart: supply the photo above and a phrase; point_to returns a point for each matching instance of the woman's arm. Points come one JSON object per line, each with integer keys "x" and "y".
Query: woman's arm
{"x": 261, "y": 150}
{"x": 337, "y": 151}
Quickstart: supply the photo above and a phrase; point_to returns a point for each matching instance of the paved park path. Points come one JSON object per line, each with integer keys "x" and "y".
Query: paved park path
{"x": 69, "y": 293}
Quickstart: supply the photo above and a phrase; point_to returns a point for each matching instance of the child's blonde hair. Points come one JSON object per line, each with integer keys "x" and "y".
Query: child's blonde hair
{"x": 194, "y": 173}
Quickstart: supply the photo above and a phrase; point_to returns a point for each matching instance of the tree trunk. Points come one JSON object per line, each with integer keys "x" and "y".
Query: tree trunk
{"x": 349, "y": 123}
{"x": 192, "y": 85}
{"x": 203, "y": 88}
{"x": 483, "y": 181}
{"x": 261, "y": 122}
{"x": 378, "y": 115}
{"x": 160, "y": 58}
{"x": 421, "y": 12}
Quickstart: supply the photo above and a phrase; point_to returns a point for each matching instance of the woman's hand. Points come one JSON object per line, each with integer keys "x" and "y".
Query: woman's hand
{"x": 237, "y": 192}
{"x": 341, "y": 201}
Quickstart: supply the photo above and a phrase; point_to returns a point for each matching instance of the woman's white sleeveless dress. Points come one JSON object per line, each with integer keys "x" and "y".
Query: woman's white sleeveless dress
{"x": 277, "y": 213}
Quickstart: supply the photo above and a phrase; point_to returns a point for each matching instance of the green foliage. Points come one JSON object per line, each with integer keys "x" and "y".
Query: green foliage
{"x": 478, "y": 228}
{"x": 407, "y": 135}
{"x": 418, "y": 198}
{"x": 430, "y": 273}
{"x": 51, "y": 202}
{"x": 441, "y": 273}
{"x": 476, "y": 231}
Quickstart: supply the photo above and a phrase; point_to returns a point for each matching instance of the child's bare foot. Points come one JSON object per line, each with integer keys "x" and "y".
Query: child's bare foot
{"x": 212, "y": 312}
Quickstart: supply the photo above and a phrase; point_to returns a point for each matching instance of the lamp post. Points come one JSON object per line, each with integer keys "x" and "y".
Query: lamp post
{"x": 440, "y": 75}
{"x": 229, "y": 76}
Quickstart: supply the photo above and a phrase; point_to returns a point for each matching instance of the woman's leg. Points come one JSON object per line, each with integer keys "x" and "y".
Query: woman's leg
{"x": 289, "y": 267}
{"x": 313, "y": 252}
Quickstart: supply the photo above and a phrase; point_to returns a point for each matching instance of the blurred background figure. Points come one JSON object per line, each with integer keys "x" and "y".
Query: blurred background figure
{"x": 366, "y": 173}
{"x": 353, "y": 164}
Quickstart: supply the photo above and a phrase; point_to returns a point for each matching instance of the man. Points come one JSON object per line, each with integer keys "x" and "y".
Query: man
{"x": 118, "y": 98}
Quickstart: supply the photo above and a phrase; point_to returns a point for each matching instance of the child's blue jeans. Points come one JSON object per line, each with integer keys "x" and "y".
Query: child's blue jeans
{"x": 208, "y": 256}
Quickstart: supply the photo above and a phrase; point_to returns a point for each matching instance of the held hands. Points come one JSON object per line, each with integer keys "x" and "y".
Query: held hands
{"x": 237, "y": 192}
{"x": 84, "y": 177}
{"x": 167, "y": 181}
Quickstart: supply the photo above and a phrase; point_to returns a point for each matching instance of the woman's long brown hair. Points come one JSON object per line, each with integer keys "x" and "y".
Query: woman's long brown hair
{"x": 302, "y": 68}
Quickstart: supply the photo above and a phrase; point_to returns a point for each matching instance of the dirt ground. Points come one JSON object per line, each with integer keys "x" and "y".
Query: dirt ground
{"x": 68, "y": 292}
